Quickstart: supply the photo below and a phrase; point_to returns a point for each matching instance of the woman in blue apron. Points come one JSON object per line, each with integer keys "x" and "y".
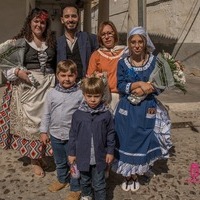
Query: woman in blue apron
{"x": 141, "y": 121}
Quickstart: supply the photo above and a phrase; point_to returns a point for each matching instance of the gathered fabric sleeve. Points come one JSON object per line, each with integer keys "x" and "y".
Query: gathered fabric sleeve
{"x": 93, "y": 63}
{"x": 72, "y": 138}
{"x": 10, "y": 74}
{"x": 12, "y": 53}
{"x": 46, "y": 116}
{"x": 110, "y": 135}
{"x": 123, "y": 83}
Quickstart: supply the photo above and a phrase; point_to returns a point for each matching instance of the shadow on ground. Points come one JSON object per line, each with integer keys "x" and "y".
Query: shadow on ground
{"x": 51, "y": 165}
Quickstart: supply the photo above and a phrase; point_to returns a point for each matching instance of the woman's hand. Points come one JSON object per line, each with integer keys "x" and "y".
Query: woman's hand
{"x": 141, "y": 88}
{"x": 146, "y": 87}
{"x": 23, "y": 75}
{"x": 138, "y": 92}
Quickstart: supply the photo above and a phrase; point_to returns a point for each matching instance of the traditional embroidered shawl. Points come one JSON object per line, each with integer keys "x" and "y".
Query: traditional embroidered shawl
{"x": 64, "y": 90}
{"x": 100, "y": 108}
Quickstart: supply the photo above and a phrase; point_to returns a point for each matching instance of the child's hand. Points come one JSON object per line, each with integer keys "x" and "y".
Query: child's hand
{"x": 71, "y": 159}
{"x": 109, "y": 158}
{"x": 44, "y": 138}
{"x": 98, "y": 74}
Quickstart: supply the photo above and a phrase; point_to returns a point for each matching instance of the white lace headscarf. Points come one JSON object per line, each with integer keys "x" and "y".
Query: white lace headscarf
{"x": 140, "y": 31}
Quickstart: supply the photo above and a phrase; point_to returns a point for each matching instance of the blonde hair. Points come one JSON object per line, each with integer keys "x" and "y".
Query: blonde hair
{"x": 65, "y": 66}
{"x": 92, "y": 85}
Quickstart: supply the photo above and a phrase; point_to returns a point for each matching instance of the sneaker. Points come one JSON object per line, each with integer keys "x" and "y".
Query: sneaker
{"x": 126, "y": 185}
{"x": 86, "y": 198}
{"x": 56, "y": 186}
{"x": 135, "y": 185}
{"x": 74, "y": 195}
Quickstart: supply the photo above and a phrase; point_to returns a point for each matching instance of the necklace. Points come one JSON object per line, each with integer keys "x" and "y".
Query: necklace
{"x": 138, "y": 63}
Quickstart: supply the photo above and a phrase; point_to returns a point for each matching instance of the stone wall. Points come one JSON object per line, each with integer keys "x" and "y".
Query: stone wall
{"x": 12, "y": 19}
{"x": 173, "y": 25}
{"x": 175, "y": 28}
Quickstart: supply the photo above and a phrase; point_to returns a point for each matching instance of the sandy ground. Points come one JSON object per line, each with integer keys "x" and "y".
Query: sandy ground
{"x": 170, "y": 183}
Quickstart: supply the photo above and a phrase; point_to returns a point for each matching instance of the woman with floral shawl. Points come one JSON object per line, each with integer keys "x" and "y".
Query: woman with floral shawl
{"x": 142, "y": 127}
{"x": 28, "y": 62}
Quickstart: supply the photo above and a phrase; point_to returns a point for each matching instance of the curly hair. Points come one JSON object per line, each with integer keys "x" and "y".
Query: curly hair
{"x": 26, "y": 31}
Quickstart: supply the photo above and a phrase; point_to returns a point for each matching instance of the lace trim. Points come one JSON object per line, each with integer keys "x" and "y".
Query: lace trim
{"x": 145, "y": 67}
{"x": 127, "y": 169}
{"x": 110, "y": 57}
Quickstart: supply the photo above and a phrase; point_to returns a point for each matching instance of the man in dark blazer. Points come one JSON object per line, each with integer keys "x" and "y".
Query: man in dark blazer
{"x": 74, "y": 44}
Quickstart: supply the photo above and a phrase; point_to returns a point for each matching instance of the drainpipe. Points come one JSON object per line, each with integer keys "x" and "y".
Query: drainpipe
{"x": 142, "y": 13}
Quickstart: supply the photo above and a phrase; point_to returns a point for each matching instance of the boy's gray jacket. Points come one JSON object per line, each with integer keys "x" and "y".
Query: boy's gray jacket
{"x": 58, "y": 110}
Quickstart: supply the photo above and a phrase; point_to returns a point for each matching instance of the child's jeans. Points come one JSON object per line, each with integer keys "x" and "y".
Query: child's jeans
{"x": 60, "y": 157}
{"x": 96, "y": 180}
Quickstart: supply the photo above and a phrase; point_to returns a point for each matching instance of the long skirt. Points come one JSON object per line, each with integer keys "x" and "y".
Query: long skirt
{"x": 20, "y": 116}
{"x": 142, "y": 138}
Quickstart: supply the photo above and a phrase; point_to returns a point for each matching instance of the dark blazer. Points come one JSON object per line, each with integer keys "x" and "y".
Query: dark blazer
{"x": 87, "y": 44}
{"x": 84, "y": 125}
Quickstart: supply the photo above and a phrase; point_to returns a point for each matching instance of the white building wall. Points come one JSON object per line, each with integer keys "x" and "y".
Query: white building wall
{"x": 119, "y": 14}
{"x": 170, "y": 17}
{"x": 12, "y": 17}
{"x": 173, "y": 25}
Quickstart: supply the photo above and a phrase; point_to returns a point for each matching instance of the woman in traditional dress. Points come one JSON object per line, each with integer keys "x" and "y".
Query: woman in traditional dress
{"x": 143, "y": 127}
{"x": 28, "y": 62}
{"x": 105, "y": 59}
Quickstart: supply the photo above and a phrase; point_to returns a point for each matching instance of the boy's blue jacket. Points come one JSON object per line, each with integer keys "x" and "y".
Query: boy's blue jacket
{"x": 84, "y": 124}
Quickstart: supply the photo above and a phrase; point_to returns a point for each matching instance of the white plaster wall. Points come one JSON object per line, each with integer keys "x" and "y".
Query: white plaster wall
{"x": 177, "y": 19}
{"x": 12, "y": 17}
{"x": 171, "y": 17}
{"x": 30, "y": 4}
{"x": 118, "y": 14}
{"x": 174, "y": 25}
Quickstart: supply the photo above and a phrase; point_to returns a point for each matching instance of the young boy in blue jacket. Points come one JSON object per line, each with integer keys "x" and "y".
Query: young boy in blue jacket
{"x": 61, "y": 103}
{"x": 92, "y": 139}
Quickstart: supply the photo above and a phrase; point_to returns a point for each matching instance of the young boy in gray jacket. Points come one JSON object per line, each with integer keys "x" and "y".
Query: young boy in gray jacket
{"x": 61, "y": 103}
